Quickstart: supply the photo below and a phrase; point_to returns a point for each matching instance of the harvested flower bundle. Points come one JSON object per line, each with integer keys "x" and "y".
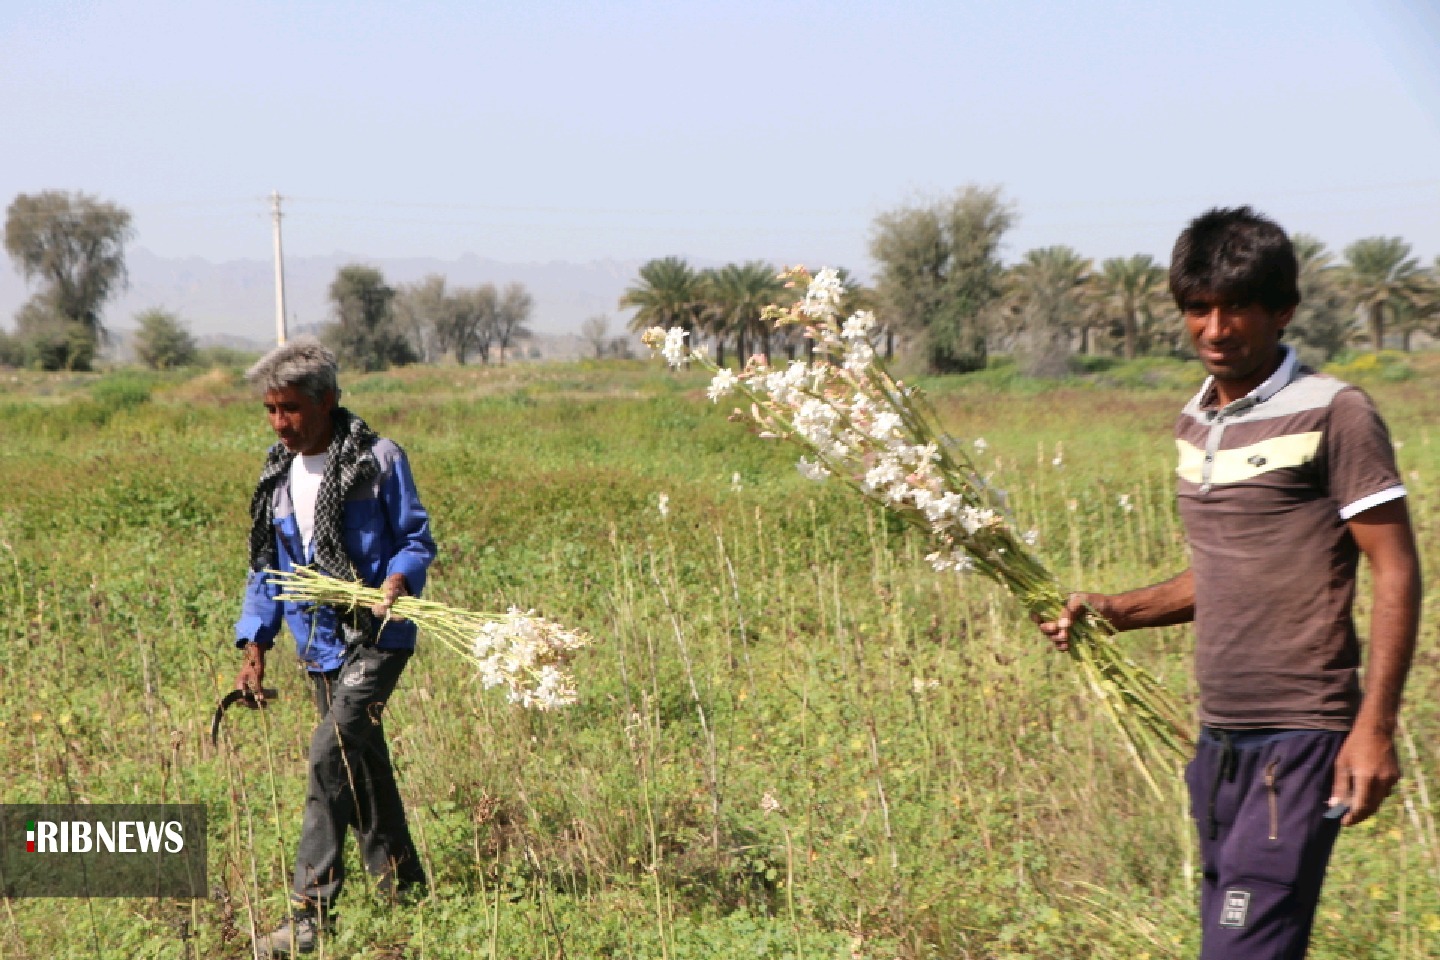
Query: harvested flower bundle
{"x": 526, "y": 654}
{"x": 877, "y": 435}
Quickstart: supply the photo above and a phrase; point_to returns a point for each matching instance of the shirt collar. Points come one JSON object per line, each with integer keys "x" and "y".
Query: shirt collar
{"x": 1283, "y": 376}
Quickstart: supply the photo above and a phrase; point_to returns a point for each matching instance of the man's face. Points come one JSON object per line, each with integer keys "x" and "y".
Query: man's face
{"x": 301, "y": 423}
{"x": 1238, "y": 344}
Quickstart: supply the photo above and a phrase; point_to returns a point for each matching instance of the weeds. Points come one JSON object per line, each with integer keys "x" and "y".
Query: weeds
{"x": 937, "y": 784}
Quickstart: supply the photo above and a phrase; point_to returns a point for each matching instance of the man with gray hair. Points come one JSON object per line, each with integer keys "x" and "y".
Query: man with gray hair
{"x": 336, "y": 497}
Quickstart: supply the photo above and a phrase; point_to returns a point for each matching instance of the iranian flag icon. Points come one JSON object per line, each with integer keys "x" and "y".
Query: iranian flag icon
{"x": 29, "y": 836}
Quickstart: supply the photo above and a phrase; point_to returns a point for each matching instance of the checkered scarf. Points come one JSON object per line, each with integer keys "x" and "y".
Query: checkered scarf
{"x": 350, "y": 463}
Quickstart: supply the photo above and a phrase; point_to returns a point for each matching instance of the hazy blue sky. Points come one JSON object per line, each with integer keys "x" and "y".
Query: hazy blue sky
{"x": 574, "y": 131}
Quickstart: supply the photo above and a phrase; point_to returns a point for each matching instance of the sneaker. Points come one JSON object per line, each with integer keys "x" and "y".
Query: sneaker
{"x": 295, "y": 936}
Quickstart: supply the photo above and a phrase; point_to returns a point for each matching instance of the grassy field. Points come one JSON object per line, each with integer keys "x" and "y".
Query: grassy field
{"x": 795, "y": 739}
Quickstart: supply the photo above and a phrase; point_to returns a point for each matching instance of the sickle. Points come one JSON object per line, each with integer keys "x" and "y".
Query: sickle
{"x": 228, "y": 701}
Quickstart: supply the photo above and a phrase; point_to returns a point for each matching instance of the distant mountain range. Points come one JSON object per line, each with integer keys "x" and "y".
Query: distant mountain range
{"x": 236, "y": 299}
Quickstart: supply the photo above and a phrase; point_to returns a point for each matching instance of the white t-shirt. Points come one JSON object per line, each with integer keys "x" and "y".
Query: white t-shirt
{"x": 306, "y": 472}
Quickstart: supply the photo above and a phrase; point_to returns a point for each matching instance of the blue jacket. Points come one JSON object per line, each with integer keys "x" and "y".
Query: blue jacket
{"x": 386, "y": 531}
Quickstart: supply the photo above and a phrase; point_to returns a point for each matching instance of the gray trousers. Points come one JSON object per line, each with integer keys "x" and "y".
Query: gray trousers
{"x": 352, "y": 784}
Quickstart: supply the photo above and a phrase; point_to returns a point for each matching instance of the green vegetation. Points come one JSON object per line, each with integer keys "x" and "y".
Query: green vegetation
{"x": 164, "y": 342}
{"x": 73, "y": 246}
{"x": 794, "y": 739}
{"x": 944, "y": 300}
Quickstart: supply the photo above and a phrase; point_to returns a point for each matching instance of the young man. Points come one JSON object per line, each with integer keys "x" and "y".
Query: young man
{"x": 335, "y": 496}
{"x": 1285, "y": 478}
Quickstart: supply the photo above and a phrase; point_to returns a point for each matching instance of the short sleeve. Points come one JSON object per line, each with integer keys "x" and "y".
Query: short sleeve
{"x": 1360, "y": 457}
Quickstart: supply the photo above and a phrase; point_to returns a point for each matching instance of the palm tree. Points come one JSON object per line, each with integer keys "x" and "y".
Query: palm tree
{"x": 1428, "y": 305}
{"x": 1321, "y": 321}
{"x": 665, "y": 296}
{"x": 1420, "y": 312}
{"x": 736, "y": 295}
{"x": 1380, "y": 279}
{"x": 1046, "y": 295}
{"x": 1131, "y": 287}
{"x": 710, "y": 314}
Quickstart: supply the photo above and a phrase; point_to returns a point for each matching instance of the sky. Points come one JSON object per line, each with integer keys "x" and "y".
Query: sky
{"x": 755, "y": 129}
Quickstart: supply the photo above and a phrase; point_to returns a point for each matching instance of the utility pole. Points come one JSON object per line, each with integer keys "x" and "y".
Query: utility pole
{"x": 279, "y": 270}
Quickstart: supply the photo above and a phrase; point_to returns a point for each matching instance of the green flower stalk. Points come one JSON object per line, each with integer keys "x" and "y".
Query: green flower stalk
{"x": 878, "y": 436}
{"x": 527, "y": 655}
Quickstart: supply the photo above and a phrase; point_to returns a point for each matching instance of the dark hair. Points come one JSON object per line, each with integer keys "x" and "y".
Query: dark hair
{"x": 1235, "y": 255}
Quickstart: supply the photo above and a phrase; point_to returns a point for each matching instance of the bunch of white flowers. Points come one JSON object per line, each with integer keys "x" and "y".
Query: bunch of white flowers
{"x": 670, "y": 343}
{"x": 857, "y": 423}
{"x": 862, "y": 426}
{"x": 526, "y": 654}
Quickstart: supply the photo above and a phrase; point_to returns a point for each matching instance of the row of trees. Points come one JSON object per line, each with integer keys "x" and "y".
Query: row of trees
{"x": 377, "y": 326}
{"x": 72, "y": 247}
{"x": 941, "y": 285}
{"x": 723, "y": 305}
{"x": 940, "y": 279}
{"x": 466, "y": 322}
{"x": 1055, "y": 300}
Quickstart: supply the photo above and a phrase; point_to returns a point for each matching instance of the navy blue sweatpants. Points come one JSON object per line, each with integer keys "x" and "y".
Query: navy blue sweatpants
{"x": 1259, "y": 800}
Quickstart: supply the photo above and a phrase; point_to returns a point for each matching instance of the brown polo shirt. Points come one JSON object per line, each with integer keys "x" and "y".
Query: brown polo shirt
{"x": 1266, "y": 485}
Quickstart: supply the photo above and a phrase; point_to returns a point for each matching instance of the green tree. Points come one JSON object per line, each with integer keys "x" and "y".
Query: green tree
{"x": 1131, "y": 290}
{"x": 1047, "y": 296}
{"x": 469, "y": 327}
{"x": 163, "y": 342}
{"x": 73, "y": 246}
{"x": 734, "y": 297}
{"x": 711, "y": 318}
{"x": 1428, "y": 305}
{"x": 364, "y": 334}
{"x": 596, "y": 332}
{"x": 422, "y": 310}
{"x": 12, "y": 351}
{"x": 940, "y": 270}
{"x": 666, "y": 294}
{"x": 1380, "y": 279}
{"x": 51, "y": 341}
{"x": 1323, "y": 322}
{"x": 1418, "y": 312}
{"x": 512, "y": 316}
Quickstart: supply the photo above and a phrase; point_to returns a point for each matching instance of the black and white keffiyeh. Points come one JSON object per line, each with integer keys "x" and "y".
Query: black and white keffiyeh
{"x": 349, "y": 464}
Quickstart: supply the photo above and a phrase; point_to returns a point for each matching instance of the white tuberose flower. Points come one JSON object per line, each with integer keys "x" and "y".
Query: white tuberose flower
{"x": 812, "y": 470}
{"x": 674, "y": 348}
{"x": 886, "y": 425}
{"x": 858, "y": 356}
{"x": 822, "y": 299}
{"x": 722, "y": 385}
{"x": 662, "y": 503}
{"x": 526, "y": 654}
{"x": 859, "y": 325}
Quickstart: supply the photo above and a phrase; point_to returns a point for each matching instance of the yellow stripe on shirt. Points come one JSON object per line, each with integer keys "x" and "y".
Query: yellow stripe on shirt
{"x": 1246, "y": 463}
